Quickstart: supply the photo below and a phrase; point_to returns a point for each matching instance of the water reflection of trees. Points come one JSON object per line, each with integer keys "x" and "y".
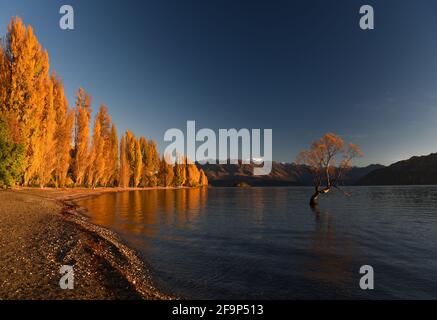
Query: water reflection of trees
{"x": 332, "y": 255}
{"x": 143, "y": 212}
{"x": 188, "y": 205}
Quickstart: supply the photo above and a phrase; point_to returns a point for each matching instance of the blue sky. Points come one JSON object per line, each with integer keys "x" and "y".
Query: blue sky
{"x": 301, "y": 68}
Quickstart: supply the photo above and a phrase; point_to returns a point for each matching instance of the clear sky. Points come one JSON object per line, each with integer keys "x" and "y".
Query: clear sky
{"x": 301, "y": 68}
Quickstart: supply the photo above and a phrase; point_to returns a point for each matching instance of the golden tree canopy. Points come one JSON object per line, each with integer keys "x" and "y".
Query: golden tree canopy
{"x": 328, "y": 159}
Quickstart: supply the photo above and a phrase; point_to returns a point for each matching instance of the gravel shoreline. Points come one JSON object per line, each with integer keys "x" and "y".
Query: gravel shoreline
{"x": 43, "y": 229}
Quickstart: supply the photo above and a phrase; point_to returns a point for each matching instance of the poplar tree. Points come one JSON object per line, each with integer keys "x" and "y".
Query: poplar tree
{"x": 4, "y": 79}
{"x": 193, "y": 175}
{"x": 151, "y": 162}
{"x": 144, "y": 146}
{"x": 138, "y": 163}
{"x": 81, "y": 136}
{"x": 203, "y": 181}
{"x": 166, "y": 173}
{"x": 96, "y": 161}
{"x": 24, "y": 74}
{"x": 47, "y": 143}
{"x": 112, "y": 161}
{"x": 130, "y": 155}
{"x": 64, "y": 118}
{"x": 98, "y": 173}
{"x": 180, "y": 172}
{"x": 124, "y": 166}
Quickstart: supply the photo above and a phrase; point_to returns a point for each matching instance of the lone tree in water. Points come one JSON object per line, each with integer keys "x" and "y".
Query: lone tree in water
{"x": 328, "y": 160}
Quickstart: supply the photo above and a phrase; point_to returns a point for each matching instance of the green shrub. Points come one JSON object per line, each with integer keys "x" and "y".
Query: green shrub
{"x": 11, "y": 158}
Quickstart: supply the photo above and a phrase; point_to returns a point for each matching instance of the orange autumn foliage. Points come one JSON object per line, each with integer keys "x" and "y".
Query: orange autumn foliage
{"x": 59, "y": 148}
{"x": 328, "y": 160}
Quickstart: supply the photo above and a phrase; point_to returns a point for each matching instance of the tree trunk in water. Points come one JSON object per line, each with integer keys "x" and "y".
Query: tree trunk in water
{"x": 313, "y": 201}
{"x": 315, "y": 196}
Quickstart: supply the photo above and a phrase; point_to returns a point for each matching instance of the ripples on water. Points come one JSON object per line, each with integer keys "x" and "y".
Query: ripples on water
{"x": 267, "y": 243}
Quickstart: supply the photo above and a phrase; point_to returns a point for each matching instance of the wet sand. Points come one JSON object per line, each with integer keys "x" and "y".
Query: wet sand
{"x": 42, "y": 229}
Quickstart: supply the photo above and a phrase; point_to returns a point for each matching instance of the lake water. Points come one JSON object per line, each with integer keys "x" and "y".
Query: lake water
{"x": 267, "y": 243}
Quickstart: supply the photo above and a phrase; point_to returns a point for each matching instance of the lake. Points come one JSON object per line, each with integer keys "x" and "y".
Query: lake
{"x": 267, "y": 243}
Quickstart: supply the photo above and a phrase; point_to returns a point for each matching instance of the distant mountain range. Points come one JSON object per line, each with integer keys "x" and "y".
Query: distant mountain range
{"x": 419, "y": 170}
{"x": 283, "y": 174}
{"x": 414, "y": 171}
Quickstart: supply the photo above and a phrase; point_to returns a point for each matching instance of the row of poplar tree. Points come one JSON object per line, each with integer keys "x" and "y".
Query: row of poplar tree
{"x": 43, "y": 142}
